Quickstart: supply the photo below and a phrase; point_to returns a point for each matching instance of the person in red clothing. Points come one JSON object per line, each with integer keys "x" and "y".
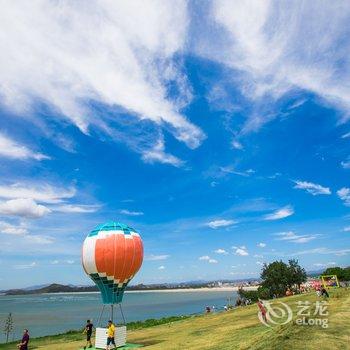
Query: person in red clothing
{"x": 23, "y": 345}
{"x": 262, "y": 309}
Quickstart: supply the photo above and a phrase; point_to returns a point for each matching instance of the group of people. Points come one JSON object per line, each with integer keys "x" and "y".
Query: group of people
{"x": 23, "y": 345}
{"x": 110, "y": 335}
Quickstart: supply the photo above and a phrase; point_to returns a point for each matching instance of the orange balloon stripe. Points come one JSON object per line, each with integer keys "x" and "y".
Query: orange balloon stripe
{"x": 119, "y": 256}
{"x": 109, "y": 255}
{"x": 129, "y": 253}
{"x": 138, "y": 255}
{"x": 99, "y": 255}
{"x": 130, "y": 266}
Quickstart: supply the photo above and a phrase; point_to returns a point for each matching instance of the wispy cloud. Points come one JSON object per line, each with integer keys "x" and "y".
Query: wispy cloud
{"x": 128, "y": 60}
{"x": 76, "y": 208}
{"x": 38, "y": 191}
{"x": 156, "y": 257}
{"x": 25, "y": 266}
{"x": 292, "y": 237}
{"x": 260, "y": 42}
{"x": 344, "y": 195}
{"x": 331, "y": 263}
{"x": 322, "y": 250}
{"x": 280, "y": 213}
{"x": 131, "y": 213}
{"x": 24, "y": 207}
{"x": 10, "y": 229}
{"x": 12, "y": 149}
{"x": 220, "y": 223}
{"x": 162, "y": 267}
{"x": 312, "y": 188}
{"x": 242, "y": 250}
{"x": 261, "y": 245}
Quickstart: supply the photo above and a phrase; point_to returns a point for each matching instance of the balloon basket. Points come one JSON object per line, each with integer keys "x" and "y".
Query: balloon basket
{"x": 119, "y": 337}
{"x": 120, "y": 330}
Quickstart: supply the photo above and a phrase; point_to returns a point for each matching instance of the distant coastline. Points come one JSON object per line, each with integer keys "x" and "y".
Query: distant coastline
{"x": 63, "y": 289}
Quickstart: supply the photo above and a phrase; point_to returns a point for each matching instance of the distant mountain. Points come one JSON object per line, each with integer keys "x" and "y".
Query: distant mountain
{"x": 60, "y": 288}
{"x": 52, "y": 288}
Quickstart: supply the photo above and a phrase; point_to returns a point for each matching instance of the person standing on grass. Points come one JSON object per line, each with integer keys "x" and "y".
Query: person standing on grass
{"x": 88, "y": 330}
{"x": 324, "y": 292}
{"x": 262, "y": 309}
{"x": 110, "y": 335}
{"x": 23, "y": 345}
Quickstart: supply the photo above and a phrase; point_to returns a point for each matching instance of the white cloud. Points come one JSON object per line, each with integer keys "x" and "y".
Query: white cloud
{"x": 280, "y": 213}
{"x": 38, "y": 239}
{"x": 312, "y": 188}
{"x": 229, "y": 169}
{"x": 322, "y": 250}
{"x": 131, "y": 213}
{"x": 156, "y": 257}
{"x": 212, "y": 261}
{"x": 345, "y": 135}
{"x": 331, "y": 263}
{"x": 292, "y": 237}
{"x": 344, "y": 195}
{"x": 54, "y": 262}
{"x": 157, "y": 154}
{"x": 220, "y": 223}
{"x": 274, "y": 48}
{"x": 24, "y": 207}
{"x": 220, "y": 251}
{"x": 204, "y": 257}
{"x": 75, "y": 208}
{"x": 10, "y": 229}
{"x": 237, "y": 145}
{"x": 260, "y": 263}
{"x": 25, "y": 266}
{"x": 346, "y": 164}
{"x": 261, "y": 245}
{"x": 346, "y": 229}
{"x": 41, "y": 192}
{"x": 12, "y": 149}
{"x": 161, "y": 267}
{"x": 70, "y": 262}
{"x": 242, "y": 250}
{"x": 118, "y": 54}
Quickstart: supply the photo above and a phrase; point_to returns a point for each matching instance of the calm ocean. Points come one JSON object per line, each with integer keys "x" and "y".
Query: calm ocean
{"x": 55, "y": 313}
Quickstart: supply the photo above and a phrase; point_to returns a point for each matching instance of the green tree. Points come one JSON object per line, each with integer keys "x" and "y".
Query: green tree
{"x": 8, "y": 328}
{"x": 275, "y": 278}
{"x": 342, "y": 274}
{"x": 278, "y": 276}
{"x": 297, "y": 274}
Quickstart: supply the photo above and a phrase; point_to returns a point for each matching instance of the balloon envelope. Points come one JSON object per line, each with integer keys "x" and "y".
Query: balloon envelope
{"x": 112, "y": 255}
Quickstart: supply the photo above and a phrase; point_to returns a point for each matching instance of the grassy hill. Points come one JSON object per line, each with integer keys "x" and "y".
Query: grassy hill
{"x": 236, "y": 329}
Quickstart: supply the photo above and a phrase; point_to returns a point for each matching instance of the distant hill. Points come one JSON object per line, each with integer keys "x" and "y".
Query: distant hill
{"x": 60, "y": 288}
{"x": 52, "y": 288}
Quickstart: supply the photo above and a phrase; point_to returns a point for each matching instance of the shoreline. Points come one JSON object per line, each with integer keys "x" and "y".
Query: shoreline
{"x": 175, "y": 290}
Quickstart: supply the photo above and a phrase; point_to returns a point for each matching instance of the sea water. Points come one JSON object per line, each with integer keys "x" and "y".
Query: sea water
{"x": 45, "y": 314}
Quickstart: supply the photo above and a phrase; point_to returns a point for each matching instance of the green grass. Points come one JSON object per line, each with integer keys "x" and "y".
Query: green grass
{"x": 235, "y": 329}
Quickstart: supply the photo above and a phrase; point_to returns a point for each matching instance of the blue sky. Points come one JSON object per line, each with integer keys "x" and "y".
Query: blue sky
{"x": 219, "y": 131}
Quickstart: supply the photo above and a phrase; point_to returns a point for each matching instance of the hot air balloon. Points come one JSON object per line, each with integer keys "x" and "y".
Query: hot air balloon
{"x": 112, "y": 255}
